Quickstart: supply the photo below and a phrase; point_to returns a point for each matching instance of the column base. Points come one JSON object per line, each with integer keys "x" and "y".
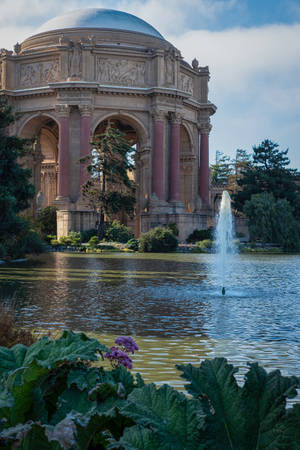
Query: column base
{"x": 177, "y": 207}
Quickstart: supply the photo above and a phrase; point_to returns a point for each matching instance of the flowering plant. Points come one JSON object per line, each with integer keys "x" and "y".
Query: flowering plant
{"x": 118, "y": 355}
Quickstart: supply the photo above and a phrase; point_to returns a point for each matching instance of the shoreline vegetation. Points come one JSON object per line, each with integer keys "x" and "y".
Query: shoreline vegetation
{"x": 59, "y": 394}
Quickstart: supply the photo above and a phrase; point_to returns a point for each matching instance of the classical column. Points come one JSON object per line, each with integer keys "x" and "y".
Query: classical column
{"x": 64, "y": 150}
{"x": 174, "y": 173}
{"x": 204, "y": 163}
{"x": 158, "y": 155}
{"x": 85, "y": 138}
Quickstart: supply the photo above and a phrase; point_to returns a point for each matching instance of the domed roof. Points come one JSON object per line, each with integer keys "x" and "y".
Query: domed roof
{"x": 99, "y": 18}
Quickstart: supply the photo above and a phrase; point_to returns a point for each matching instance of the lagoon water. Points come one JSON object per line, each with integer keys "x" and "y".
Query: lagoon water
{"x": 171, "y": 304}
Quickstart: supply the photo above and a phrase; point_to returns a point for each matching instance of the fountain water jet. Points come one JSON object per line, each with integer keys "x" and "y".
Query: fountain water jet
{"x": 224, "y": 239}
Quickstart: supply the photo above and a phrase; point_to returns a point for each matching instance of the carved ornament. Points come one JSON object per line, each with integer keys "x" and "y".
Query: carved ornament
{"x": 158, "y": 115}
{"x": 169, "y": 68}
{"x": 85, "y": 110}
{"x": 5, "y": 52}
{"x": 120, "y": 71}
{"x": 39, "y": 73}
{"x": 204, "y": 127}
{"x": 62, "y": 110}
{"x": 186, "y": 83}
{"x": 176, "y": 118}
{"x": 17, "y": 48}
{"x": 75, "y": 60}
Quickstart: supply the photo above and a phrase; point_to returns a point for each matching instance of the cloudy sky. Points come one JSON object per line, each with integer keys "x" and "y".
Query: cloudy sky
{"x": 251, "y": 46}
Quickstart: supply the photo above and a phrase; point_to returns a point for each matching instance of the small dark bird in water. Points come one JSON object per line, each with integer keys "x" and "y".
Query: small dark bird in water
{"x": 223, "y": 290}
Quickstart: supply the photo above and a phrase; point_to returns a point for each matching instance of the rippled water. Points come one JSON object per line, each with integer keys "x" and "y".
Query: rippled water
{"x": 170, "y": 303}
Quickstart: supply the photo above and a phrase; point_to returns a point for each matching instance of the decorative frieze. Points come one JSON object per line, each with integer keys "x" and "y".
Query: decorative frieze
{"x": 122, "y": 72}
{"x": 39, "y": 73}
{"x": 186, "y": 83}
{"x": 85, "y": 110}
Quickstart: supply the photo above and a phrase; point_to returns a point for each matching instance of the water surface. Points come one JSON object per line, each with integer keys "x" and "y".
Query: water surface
{"x": 171, "y": 303}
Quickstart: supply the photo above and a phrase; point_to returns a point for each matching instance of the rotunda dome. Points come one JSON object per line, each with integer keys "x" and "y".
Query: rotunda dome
{"x": 108, "y": 19}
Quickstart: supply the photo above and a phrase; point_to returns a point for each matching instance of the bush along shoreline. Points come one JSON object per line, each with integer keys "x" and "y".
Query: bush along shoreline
{"x": 53, "y": 397}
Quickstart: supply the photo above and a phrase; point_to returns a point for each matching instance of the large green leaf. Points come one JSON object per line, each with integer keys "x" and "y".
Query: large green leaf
{"x": 178, "y": 421}
{"x": 48, "y": 353}
{"x": 140, "y": 438}
{"x": 292, "y": 427}
{"x": 247, "y": 418}
{"x": 264, "y": 395}
{"x": 215, "y": 386}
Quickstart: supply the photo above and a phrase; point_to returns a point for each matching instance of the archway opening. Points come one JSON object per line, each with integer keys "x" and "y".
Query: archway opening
{"x": 132, "y": 137}
{"x": 186, "y": 170}
{"x": 44, "y": 159}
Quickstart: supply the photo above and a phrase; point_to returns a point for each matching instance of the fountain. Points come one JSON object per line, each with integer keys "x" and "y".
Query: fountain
{"x": 224, "y": 239}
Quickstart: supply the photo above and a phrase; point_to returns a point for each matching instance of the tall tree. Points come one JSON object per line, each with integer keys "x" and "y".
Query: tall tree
{"x": 268, "y": 173}
{"x": 111, "y": 188}
{"x": 272, "y": 221}
{"x": 221, "y": 170}
{"x": 16, "y": 190}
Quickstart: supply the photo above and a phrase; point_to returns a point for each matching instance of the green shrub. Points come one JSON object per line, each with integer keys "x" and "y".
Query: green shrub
{"x": 65, "y": 241}
{"x": 116, "y": 232}
{"x": 86, "y": 235}
{"x": 53, "y": 398}
{"x": 47, "y": 220}
{"x": 200, "y": 235}
{"x": 75, "y": 237}
{"x": 93, "y": 242}
{"x": 158, "y": 240}
{"x": 173, "y": 228}
{"x": 54, "y": 242}
{"x": 206, "y": 244}
{"x": 49, "y": 238}
{"x": 133, "y": 244}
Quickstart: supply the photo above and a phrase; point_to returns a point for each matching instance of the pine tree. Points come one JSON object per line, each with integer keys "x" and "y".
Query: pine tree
{"x": 16, "y": 191}
{"x": 269, "y": 173}
{"x": 110, "y": 189}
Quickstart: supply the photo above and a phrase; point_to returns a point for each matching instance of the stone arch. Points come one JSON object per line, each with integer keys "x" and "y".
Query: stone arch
{"x": 187, "y": 168}
{"x": 44, "y": 159}
{"x": 132, "y": 120}
{"x": 35, "y": 119}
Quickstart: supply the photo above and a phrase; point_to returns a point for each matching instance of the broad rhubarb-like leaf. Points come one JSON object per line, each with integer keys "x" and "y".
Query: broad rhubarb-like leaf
{"x": 177, "y": 421}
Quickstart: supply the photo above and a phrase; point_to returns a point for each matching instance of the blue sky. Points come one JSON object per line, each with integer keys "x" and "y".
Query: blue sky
{"x": 252, "y": 48}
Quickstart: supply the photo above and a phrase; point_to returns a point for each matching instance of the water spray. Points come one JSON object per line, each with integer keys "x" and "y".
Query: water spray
{"x": 224, "y": 239}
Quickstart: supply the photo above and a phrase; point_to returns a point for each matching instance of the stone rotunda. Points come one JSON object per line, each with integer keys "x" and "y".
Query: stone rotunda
{"x": 86, "y": 67}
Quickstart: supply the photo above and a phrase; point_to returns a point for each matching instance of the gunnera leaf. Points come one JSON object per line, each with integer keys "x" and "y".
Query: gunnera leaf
{"x": 213, "y": 383}
{"x": 264, "y": 395}
{"x": 140, "y": 438}
{"x": 178, "y": 421}
{"x": 48, "y": 353}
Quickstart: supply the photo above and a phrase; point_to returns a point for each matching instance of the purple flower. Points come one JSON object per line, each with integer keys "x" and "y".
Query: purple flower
{"x": 128, "y": 343}
{"x": 117, "y": 357}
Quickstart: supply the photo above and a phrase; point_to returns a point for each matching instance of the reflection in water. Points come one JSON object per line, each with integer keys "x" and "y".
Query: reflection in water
{"x": 171, "y": 302}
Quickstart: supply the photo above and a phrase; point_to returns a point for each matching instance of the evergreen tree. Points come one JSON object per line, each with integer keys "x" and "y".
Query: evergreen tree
{"x": 268, "y": 172}
{"x": 221, "y": 170}
{"x": 16, "y": 191}
{"x": 110, "y": 189}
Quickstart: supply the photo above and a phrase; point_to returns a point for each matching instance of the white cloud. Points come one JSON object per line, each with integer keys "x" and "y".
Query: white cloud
{"x": 254, "y": 83}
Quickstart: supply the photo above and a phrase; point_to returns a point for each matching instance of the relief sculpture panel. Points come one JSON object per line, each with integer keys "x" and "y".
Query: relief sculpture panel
{"x": 120, "y": 72}
{"x": 39, "y": 73}
{"x": 186, "y": 83}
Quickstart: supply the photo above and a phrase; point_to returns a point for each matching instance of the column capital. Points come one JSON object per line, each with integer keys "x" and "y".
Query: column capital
{"x": 158, "y": 115}
{"x": 204, "y": 127}
{"x": 62, "y": 110}
{"x": 176, "y": 118}
{"x": 85, "y": 110}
